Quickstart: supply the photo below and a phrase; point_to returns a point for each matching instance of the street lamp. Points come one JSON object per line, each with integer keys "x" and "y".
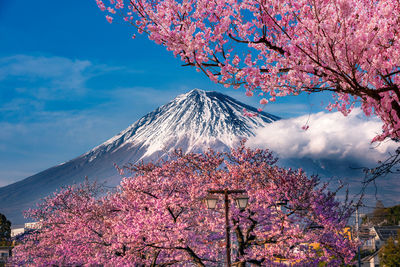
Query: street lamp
{"x": 241, "y": 201}
{"x": 211, "y": 202}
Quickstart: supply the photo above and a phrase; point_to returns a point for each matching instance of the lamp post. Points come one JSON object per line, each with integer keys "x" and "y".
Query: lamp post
{"x": 241, "y": 201}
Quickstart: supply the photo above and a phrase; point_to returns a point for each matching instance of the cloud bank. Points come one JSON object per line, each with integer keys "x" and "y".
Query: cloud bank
{"x": 334, "y": 147}
{"x": 329, "y": 136}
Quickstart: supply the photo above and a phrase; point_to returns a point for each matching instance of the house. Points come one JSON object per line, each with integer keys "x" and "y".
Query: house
{"x": 378, "y": 235}
{"x": 27, "y": 227}
{"x": 17, "y": 231}
{"x": 5, "y": 251}
{"x": 371, "y": 260}
{"x": 33, "y": 225}
{"x": 374, "y": 239}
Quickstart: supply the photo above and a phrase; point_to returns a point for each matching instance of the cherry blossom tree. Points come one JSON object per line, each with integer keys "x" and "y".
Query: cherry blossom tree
{"x": 73, "y": 229}
{"x": 157, "y": 217}
{"x": 277, "y": 48}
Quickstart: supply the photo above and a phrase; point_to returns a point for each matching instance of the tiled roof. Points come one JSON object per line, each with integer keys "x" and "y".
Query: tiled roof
{"x": 384, "y": 232}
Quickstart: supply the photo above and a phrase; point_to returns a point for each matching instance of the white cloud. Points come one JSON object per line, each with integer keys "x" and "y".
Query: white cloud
{"x": 50, "y": 67}
{"x": 334, "y": 147}
{"x": 55, "y": 74}
{"x": 330, "y": 136}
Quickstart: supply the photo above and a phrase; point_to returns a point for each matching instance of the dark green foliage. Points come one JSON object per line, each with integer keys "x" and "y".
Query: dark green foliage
{"x": 394, "y": 215}
{"x": 5, "y": 228}
{"x": 389, "y": 255}
{"x": 384, "y": 216}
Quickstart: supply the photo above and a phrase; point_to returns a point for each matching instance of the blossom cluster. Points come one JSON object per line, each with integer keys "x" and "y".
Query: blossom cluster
{"x": 348, "y": 47}
{"x": 157, "y": 217}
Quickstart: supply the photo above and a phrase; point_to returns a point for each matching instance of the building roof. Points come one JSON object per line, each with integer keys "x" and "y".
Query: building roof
{"x": 370, "y": 257}
{"x": 384, "y": 232}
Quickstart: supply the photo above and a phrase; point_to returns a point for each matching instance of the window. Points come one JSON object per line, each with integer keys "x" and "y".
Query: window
{"x": 4, "y": 254}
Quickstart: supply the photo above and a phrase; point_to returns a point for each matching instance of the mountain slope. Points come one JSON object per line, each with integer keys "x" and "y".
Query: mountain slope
{"x": 193, "y": 122}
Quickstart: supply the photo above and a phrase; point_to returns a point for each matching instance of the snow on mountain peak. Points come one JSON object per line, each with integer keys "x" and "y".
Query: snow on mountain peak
{"x": 192, "y": 121}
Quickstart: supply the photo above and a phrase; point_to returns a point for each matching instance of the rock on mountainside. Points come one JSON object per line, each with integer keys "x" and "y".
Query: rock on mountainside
{"x": 193, "y": 122}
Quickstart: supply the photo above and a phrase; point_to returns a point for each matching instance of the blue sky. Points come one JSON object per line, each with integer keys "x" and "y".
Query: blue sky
{"x": 69, "y": 80}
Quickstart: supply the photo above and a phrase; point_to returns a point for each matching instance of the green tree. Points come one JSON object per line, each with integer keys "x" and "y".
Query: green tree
{"x": 390, "y": 252}
{"x": 5, "y": 228}
{"x": 379, "y": 214}
{"x": 394, "y": 215}
{"x": 384, "y": 216}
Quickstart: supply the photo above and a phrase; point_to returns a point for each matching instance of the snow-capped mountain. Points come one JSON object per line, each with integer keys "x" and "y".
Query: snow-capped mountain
{"x": 193, "y": 122}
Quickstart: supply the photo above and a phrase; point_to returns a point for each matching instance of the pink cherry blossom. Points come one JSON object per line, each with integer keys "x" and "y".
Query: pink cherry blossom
{"x": 109, "y": 18}
{"x": 101, "y": 5}
{"x": 111, "y": 10}
{"x": 348, "y": 47}
{"x": 158, "y": 217}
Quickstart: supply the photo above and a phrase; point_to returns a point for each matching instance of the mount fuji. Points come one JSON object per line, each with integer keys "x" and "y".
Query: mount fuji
{"x": 193, "y": 122}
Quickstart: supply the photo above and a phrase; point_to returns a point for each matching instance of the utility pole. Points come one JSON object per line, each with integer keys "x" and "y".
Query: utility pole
{"x": 227, "y": 230}
{"x": 358, "y": 237}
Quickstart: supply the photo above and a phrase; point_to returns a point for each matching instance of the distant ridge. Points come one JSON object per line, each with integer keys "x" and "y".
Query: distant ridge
{"x": 194, "y": 122}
